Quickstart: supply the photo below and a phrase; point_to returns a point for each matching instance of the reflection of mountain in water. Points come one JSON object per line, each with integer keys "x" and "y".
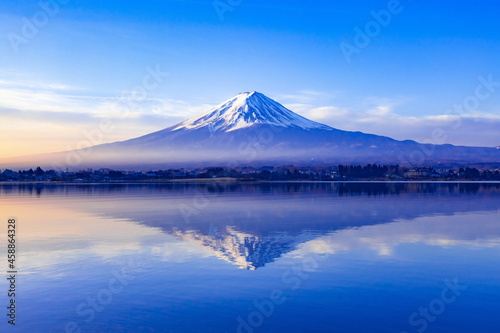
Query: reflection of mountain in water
{"x": 243, "y": 250}
{"x": 251, "y": 225}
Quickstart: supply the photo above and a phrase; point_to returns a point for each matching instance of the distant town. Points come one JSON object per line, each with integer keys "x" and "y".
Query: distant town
{"x": 371, "y": 172}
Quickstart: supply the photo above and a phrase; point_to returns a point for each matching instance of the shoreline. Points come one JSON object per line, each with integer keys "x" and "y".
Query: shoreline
{"x": 240, "y": 182}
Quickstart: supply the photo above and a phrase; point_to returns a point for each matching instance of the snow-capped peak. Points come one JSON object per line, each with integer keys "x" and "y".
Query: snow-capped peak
{"x": 247, "y": 109}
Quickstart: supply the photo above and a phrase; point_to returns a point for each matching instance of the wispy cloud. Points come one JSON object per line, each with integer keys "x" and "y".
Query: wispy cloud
{"x": 379, "y": 115}
{"x": 47, "y": 117}
{"x": 58, "y": 98}
{"x": 385, "y": 239}
{"x": 35, "y": 85}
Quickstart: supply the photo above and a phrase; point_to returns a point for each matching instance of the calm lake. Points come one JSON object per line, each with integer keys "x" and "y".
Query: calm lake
{"x": 224, "y": 257}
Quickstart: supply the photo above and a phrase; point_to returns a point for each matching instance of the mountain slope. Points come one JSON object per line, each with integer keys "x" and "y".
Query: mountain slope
{"x": 251, "y": 128}
{"x": 245, "y": 110}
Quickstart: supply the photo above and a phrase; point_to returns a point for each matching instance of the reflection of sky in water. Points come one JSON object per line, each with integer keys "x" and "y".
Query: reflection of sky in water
{"x": 380, "y": 251}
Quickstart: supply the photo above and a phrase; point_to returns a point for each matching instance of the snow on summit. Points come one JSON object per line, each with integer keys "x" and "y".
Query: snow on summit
{"x": 247, "y": 109}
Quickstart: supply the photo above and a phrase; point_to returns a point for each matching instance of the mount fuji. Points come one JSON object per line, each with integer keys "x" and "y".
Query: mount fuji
{"x": 248, "y": 109}
{"x": 252, "y": 129}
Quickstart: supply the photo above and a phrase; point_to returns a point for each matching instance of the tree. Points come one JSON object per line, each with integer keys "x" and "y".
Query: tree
{"x": 39, "y": 172}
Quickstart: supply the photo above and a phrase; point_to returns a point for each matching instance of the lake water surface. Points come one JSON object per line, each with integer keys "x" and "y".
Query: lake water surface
{"x": 315, "y": 257}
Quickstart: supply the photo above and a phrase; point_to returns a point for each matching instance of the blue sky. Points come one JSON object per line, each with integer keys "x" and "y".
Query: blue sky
{"x": 60, "y": 80}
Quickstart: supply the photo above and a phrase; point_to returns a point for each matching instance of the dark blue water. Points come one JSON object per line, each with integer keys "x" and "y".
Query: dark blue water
{"x": 255, "y": 258}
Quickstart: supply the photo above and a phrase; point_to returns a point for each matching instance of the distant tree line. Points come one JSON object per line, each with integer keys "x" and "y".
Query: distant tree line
{"x": 265, "y": 173}
{"x": 369, "y": 171}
